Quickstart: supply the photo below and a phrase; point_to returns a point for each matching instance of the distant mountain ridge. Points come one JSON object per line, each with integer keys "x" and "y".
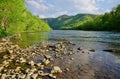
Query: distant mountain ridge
{"x": 65, "y": 21}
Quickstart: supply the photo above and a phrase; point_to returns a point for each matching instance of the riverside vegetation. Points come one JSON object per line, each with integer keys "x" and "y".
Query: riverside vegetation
{"x": 15, "y": 18}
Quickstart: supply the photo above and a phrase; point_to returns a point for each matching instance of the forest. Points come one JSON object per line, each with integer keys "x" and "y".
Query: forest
{"x": 15, "y": 18}
{"x": 109, "y": 21}
{"x": 106, "y": 22}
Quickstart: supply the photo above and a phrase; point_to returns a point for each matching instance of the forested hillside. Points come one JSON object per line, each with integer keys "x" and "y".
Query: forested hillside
{"x": 108, "y": 21}
{"x": 14, "y": 17}
{"x": 105, "y": 22}
{"x": 65, "y": 21}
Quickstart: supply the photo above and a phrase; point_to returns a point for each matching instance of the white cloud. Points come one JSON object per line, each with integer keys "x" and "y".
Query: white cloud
{"x": 54, "y": 8}
{"x": 42, "y": 16}
{"x": 100, "y": 0}
{"x": 37, "y": 5}
{"x": 86, "y": 6}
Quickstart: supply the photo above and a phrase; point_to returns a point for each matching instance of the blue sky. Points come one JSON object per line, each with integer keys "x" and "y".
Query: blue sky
{"x": 55, "y": 8}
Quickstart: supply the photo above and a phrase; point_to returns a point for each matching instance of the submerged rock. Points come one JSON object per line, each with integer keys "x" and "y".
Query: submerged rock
{"x": 92, "y": 50}
{"x": 108, "y": 50}
{"x": 80, "y": 48}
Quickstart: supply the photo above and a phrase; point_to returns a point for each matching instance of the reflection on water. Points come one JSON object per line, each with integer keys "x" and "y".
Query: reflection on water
{"x": 97, "y": 65}
{"x": 106, "y": 65}
{"x": 30, "y": 38}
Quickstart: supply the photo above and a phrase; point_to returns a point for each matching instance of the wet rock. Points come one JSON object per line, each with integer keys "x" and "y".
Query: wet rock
{"x": 46, "y": 61}
{"x": 17, "y": 69}
{"x": 5, "y": 57}
{"x": 13, "y": 76}
{"x": 79, "y": 48}
{"x": 3, "y": 76}
{"x": 38, "y": 64}
{"x": 70, "y": 53}
{"x": 22, "y": 60}
{"x": 27, "y": 70}
{"x": 1, "y": 68}
{"x": 10, "y": 51}
{"x": 47, "y": 56}
{"x": 31, "y": 63}
{"x": 92, "y": 50}
{"x": 41, "y": 73}
{"x": 33, "y": 70}
{"x": 34, "y": 76}
{"x": 67, "y": 69}
{"x": 5, "y": 63}
{"x": 109, "y": 50}
{"x": 72, "y": 58}
{"x": 39, "y": 78}
{"x": 28, "y": 76}
{"x": 12, "y": 56}
{"x": 42, "y": 66}
{"x": 21, "y": 76}
{"x": 83, "y": 51}
{"x": 55, "y": 70}
{"x": 5, "y": 70}
{"x": 52, "y": 76}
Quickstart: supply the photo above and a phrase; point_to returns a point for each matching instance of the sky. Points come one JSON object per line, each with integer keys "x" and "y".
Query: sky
{"x": 55, "y": 8}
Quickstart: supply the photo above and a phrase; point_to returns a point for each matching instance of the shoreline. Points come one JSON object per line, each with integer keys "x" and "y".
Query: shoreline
{"x": 44, "y": 60}
{"x": 18, "y": 61}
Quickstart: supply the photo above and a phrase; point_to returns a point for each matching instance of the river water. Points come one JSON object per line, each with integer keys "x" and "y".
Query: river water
{"x": 89, "y": 65}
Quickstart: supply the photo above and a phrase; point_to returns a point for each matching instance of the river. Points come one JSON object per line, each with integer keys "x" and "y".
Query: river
{"x": 89, "y": 65}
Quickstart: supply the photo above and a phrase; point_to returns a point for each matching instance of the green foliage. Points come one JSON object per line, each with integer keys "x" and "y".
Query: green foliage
{"x": 67, "y": 22}
{"x": 2, "y": 33}
{"x": 108, "y": 21}
{"x": 14, "y": 17}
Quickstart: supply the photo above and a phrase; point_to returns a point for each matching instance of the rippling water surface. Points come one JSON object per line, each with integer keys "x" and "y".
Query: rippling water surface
{"x": 93, "y": 65}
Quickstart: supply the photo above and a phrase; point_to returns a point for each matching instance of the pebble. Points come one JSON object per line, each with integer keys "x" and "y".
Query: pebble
{"x": 41, "y": 73}
{"x": 47, "y": 56}
{"x": 10, "y": 51}
{"x": 52, "y": 76}
{"x": 92, "y": 50}
{"x": 56, "y": 69}
{"x": 31, "y": 63}
{"x": 79, "y": 48}
{"x": 72, "y": 58}
{"x": 34, "y": 76}
{"x": 1, "y": 68}
{"x": 46, "y": 61}
{"x": 3, "y": 76}
{"x": 67, "y": 69}
{"x": 17, "y": 69}
{"x": 22, "y": 60}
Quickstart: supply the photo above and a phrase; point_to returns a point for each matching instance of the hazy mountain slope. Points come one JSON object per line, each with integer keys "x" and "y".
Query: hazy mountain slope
{"x": 65, "y": 21}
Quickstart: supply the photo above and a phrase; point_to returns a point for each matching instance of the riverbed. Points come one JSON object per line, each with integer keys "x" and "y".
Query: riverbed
{"x": 100, "y": 59}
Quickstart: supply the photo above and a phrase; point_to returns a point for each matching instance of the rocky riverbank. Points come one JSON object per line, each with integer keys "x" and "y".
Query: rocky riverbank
{"x": 48, "y": 60}
{"x": 19, "y": 63}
